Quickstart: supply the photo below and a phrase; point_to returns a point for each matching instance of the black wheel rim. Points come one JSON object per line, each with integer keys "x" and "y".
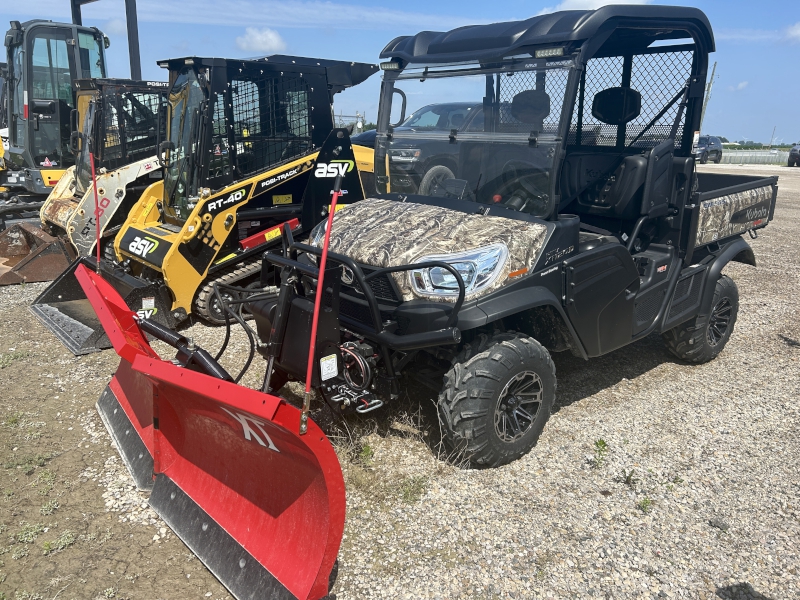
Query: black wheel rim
{"x": 720, "y": 321}
{"x": 518, "y": 406}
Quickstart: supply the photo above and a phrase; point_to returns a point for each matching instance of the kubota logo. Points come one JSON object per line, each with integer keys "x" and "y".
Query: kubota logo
{"x": 247, "y": 422}
{"x": 334, "y": 168}
{"x": 142, "y": 247}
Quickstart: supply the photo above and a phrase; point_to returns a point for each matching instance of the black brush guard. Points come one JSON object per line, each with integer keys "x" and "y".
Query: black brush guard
{"x": 379, "y": 331}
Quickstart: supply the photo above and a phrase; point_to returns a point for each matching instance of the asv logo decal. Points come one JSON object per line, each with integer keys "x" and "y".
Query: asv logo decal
{"x": 334, "y": 168}
{"x": 142, "y": 247}
{"x": 146, "y": 313}
{"x": 232, "y": 199}
{"x": 247, "y": 422}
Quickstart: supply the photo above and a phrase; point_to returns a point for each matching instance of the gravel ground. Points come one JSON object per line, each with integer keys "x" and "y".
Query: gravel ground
{"x": 694, "y": 491}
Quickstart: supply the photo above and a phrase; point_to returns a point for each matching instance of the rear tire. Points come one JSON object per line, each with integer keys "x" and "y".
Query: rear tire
{"x": 718, "y": 159}
{"x": 435, "y": 175}
{"x": 701, "y": 339}
{"x": 496, "y": 398}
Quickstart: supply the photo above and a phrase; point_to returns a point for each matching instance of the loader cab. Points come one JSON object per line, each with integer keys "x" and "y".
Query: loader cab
{"x": 44, "y": 58}
{"x": 229, "y": 121}
{"x": 120, "y": 120}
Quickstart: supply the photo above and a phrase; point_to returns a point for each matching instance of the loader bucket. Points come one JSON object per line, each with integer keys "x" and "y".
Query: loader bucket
{"x": 260, "y": 505}
{"x": 28, "y": 254}
{"x": 64, "y": 309}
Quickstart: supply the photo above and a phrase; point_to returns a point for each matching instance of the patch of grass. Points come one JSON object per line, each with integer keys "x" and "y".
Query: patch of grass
{"x": 23, "y": 595}
{"x": 645, "y": 505}
{"x": 46, "y": 479}
{"x": 367, "y": 454}
{"x": 600, "y": 452}
{"x": 628, "y": 478}
{"x": 414, "y": 488}
{"x": 14, "y": 420}
{"x": 20, "y": 552}
{"x": 65, "y": 540}
{"x": 27, "y": 464}
{"x": 29, "y": 532}
{"x": 7, "y": 495}
{"x": 7, "y": 359}
{"x": 2, "y": 577}
{"x": 49, "y": 507}
{"x": 109, "y": 592}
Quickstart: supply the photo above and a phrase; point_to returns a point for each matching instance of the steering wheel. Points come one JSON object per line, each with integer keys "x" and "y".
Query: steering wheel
{"x": 527, "y": 188}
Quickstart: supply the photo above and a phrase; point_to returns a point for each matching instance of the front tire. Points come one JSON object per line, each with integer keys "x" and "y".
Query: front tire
{"x": 701, "y": 339}
{"x": 497, "y": 398}
{"x": 436, "y": 174}
{"x": 704, "y": 158}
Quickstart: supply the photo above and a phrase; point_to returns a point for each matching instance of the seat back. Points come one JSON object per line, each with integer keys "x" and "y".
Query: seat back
{"x": 658, "y": 182}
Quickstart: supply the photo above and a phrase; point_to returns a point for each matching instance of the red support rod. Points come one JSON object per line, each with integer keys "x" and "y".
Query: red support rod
{"x": 96, "y": 211}
{"x": 320, "y": 287}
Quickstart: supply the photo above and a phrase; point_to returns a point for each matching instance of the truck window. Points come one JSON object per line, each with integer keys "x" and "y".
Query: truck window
{"x": 51, "y": 76}
{"x": 91, "y": 56}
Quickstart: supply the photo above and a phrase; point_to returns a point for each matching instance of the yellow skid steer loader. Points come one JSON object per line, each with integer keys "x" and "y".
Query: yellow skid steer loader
{"x": 118, "y": 120}
{"x": 243, "y": 140}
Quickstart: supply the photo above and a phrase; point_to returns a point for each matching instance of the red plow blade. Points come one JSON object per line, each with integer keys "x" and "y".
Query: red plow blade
{"x": 260, "y": 505}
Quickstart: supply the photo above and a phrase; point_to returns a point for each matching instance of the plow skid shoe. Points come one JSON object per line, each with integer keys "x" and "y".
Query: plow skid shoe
{"x": 262, "y": 506}
{"x": 64, "y": 309}
{"x": 28, "y": 254}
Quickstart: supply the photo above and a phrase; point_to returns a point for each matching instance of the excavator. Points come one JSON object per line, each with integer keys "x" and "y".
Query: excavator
{"x": 43, "y": 60}
{"x": 114, "y": 139}
{"x": 241, "y": 151}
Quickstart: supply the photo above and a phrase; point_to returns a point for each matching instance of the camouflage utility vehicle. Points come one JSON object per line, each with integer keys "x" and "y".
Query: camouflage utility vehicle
{"x": 574, "y": 220}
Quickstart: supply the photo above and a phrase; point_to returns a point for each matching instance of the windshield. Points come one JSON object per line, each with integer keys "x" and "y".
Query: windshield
{"x": 496, "y": 145}
{"x": 180, "y": 179}
{"x": 83, "y": 166}
{"x": 703, "y": 141}
{"x": 443, "y": 116}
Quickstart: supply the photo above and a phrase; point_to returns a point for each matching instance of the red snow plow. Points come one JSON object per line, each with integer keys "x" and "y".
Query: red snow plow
{"x": 260, "y": 504}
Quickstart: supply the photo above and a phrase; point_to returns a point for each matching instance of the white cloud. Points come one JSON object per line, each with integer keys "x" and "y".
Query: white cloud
{"x": 260, "y": 40}
{"x": 793, "y": 33}
{"x": 587, "y": 4}
{"x": 738, "y": 87}
{"x": 746, "y": 35}
{"x": 115, "y": 27}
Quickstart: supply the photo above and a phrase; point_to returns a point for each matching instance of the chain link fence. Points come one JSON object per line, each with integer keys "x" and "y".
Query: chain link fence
{"x": 755, "y": 157}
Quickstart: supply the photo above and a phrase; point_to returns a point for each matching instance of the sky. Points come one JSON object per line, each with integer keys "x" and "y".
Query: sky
{"x": 756, "y": 89}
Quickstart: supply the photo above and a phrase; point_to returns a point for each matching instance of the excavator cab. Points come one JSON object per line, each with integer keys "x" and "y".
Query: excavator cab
{"x": 44, "y": 59}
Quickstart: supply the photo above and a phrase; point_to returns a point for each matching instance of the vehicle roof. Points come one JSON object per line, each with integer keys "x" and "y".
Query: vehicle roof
{"x": 483, "y": 42}
{"x": 340, "y": 73}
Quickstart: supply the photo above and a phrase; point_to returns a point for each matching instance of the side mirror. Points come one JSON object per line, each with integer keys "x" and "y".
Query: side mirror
{"x": 43, "y": 107}
{"x": 617, "y": 105}
{"x": 74, "y": 141}
{"x": 402, "y": 118}
{"x": 165, "y": 146}
{"x": 106, "y": 41}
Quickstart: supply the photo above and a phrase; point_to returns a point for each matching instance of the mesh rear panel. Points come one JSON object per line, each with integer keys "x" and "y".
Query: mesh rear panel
{"x": 133, "y": 115}
{"x": 271, "y": 121}
{"x": 658, "y": 77}
{"x": 601, "y": 74}
{"x": 554, "y": 82}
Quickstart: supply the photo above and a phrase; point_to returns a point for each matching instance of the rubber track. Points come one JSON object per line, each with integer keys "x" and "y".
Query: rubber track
{"x": 228, "y": 276}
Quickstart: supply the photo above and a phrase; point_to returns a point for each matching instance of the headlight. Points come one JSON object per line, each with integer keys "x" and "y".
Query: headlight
{"x": 479, "y": 269}
{"x": 318, "y": 234}
{"x": 404, "y": 154}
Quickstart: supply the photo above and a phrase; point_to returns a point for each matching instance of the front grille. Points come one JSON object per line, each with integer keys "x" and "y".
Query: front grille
{"x": 382, "y": 286}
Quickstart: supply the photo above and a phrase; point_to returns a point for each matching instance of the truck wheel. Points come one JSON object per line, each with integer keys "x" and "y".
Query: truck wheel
{"x": 434, "y": 175}
{"x": 704, "y": 158}
{"x": 702, "y": 338}
{"x": 497, "y": 397}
